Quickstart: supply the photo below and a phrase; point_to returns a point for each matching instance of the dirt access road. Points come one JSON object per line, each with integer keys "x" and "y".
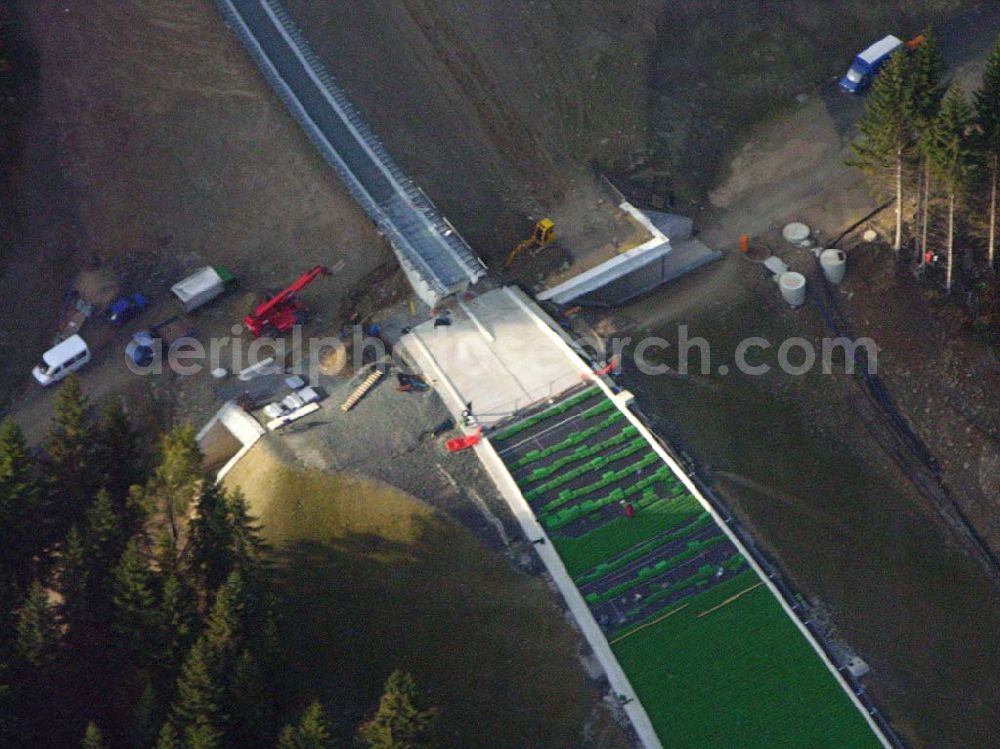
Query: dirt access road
{"x": 792, "y": 168}
{"x": 146, "y": 141}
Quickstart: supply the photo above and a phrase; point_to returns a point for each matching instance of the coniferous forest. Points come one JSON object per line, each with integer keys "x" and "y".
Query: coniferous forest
{"x": 934, "y": 150}
{"x": 136, "y": 605}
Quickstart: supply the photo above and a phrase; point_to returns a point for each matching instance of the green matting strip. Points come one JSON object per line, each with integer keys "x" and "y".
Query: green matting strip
{"x": 548, "y": 413}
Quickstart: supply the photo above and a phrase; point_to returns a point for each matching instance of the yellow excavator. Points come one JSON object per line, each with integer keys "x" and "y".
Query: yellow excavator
{"x": 543, "y": 235}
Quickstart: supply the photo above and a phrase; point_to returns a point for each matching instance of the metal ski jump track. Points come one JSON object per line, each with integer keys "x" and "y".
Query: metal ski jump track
{"x": 437, "y": 261}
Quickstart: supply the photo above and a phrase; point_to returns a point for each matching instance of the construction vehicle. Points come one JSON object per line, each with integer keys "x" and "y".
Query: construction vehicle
{"x": 283, "y": 311}
{"x": 543, "y": 235}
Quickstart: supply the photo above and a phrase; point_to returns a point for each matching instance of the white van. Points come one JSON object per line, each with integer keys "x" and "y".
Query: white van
{"x": 61, "y": 359}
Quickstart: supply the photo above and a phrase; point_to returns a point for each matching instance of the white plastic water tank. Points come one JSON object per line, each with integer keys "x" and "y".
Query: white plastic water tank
{"x": 797, "y": 233}
{"x": 793, "y": 288}
{"x": 834, "y": 264}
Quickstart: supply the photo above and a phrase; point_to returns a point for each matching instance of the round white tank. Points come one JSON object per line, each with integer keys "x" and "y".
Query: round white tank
{"x": 834, "y": 264}
{"x": 793, "y": 288}
{"x": 797, "y": 233}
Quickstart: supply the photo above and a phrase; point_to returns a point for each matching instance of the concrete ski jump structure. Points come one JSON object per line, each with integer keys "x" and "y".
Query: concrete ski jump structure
{"x": 670, "y": 253}
{"x": 504, "y": 352}
{"x": 509, "y": 360}
{"x": 436, "y": 259}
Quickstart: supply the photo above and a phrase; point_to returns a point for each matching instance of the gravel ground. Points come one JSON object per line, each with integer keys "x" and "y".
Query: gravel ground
{"x": 388, "y": 437}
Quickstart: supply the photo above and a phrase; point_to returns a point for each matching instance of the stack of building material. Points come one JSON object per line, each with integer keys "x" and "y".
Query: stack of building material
{"x": 361, "y": 390}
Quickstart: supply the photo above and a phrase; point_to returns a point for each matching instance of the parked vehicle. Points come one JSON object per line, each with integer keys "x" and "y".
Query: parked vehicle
{"x": 63, "y": 358}
{"x": 146, "y": 345}
{"x": 203, "y": 286}
{"x": 866, "y": 65}
{"x": 291, "y": 403}
{"x": 126, "y": 308}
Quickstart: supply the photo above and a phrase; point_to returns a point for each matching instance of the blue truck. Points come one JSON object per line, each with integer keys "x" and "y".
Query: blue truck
{"x": 125, "y": 308}
{"x": 866, "y": 65}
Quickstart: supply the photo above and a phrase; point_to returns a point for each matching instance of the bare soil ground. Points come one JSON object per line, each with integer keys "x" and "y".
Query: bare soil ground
{"x": 497, "y": 110}
{"x": 140, "y": 137}
{"x": 802, "y": 461}
{"x": 719, "y": 68}
{"x": 945, "y": 379}
{"x": 147, "y": 142}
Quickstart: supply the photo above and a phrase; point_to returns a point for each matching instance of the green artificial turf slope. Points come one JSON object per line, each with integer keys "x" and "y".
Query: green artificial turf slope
{"x": 742, "y": 676}
{"x": 601, "y": 544}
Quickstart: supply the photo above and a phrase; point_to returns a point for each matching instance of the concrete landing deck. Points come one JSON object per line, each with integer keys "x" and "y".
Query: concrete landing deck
{"x": 499, "y": 353}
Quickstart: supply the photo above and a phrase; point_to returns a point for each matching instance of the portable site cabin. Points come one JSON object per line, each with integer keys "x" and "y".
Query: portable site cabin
{"x": 203, "y": 286}
{"x": 63, "y": 358}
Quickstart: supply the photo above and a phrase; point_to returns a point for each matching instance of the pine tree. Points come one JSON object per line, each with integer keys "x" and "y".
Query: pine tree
{"x": 987, "y": 101}
{"x": 401, "y": 721}
{"x": 249, "y": 704}
{"x": 93, "y": 738}
{"x": 167, "y": 496}
{"x": 120, "y": 458}
{"x": 224, "y": 626}
{"x": 201, "y": 709}
{"x": 198, "y": 702}
{"x": 136, "y": 616}
{"x": 105, "y": 534}
{"x": 202, "y": 736}
{"x": 951, "y": 157}
{"x": 168, "y": 738}
{"x": 887, "y": 131}
{"x": 211, "y": 539}
{"x": 11, "y": 734}
{"x": 312, "y": 732}
{"x": 142, "y": 728}
{"x": 175, "y": 621}
{"x": 36, "y": 671}
{"x": 69, "y": 465}
{"x": 166, "y": 553}
{"x": 37, "y": 629}
{"x": 248, "y": 544}
{"x": 73, "y": 578}
{"x": 20, "y": 537}
{"x": 103, "y": 542}
{"x": 928, "y": 90}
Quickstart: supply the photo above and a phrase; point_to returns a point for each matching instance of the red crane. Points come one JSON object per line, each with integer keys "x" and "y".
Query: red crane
{"x": 284, "y": 310}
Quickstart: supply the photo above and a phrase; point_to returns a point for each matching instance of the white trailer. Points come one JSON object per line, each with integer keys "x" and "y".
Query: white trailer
{"x": 203, "y": 286}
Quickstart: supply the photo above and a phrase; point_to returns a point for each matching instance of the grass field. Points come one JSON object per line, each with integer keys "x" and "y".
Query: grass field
{"x": 743, "y": 670}
{"x": 372, "y": 580}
